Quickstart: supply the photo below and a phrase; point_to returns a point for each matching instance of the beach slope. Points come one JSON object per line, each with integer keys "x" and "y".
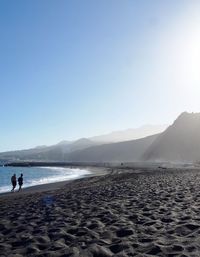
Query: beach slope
{"x": 127, "y": 214}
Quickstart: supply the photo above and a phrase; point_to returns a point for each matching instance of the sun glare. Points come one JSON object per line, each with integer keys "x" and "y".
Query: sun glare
{"x": 179, "y": 53}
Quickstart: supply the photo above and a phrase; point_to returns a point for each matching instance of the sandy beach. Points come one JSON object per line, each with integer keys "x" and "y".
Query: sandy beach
{"x": 149, "y": 213}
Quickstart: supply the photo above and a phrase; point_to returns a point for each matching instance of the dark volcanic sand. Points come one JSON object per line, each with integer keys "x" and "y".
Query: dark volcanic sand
{"x": 153, "y": 214}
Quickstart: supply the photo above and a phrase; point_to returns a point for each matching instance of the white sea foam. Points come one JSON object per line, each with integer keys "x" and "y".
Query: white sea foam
{"x": 67, "y": 174}
{"x": 39, "y": 175}
{"x": 4, "y": 189}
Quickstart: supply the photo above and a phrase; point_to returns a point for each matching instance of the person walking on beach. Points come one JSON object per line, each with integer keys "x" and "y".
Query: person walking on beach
{"x": 20, "y": 182}
{"x": 14, "y": 182}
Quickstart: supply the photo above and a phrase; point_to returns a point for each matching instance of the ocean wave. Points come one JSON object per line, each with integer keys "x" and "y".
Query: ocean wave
{"x": 38, "y": 176}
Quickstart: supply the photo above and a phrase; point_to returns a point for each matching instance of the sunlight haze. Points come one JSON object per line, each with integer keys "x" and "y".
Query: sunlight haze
{"x": 73, "y": 69}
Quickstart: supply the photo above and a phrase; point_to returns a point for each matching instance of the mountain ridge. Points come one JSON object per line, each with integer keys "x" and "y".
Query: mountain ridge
{"x": 179, "y": 142}
{"x": 114, "y": 152}
{"x": 59, "y": 151}
{"x": 130, "y": 134}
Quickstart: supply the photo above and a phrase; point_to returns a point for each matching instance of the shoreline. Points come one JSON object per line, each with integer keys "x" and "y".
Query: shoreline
{"x": 95, "y": 171}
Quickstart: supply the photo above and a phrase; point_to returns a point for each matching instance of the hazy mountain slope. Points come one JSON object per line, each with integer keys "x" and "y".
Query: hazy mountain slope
{"x": 122, "y": 152}
{"x": 180, "y": 142}
{"x": 21, "y": 154}
{"x": 130, "y": 134}
{"x": 54, "y": 153}
{"x": 59, "y": 151}
{"x": 81, "y": 143}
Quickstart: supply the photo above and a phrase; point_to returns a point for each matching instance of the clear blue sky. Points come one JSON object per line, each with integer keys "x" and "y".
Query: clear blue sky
{"x": 72, "y": 69}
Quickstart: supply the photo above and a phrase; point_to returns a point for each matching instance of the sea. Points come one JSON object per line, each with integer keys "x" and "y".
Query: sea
{"x": 38, "y": 175}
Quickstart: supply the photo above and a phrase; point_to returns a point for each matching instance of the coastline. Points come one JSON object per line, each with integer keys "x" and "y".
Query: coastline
{"x": 95, "y": 171}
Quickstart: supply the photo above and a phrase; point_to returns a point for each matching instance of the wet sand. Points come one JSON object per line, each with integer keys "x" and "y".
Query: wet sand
{"x": 154, "y": 213}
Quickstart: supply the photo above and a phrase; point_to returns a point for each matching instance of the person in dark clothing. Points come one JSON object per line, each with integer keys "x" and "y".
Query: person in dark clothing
{"x": 14, "y": 182}
{"x": 20, "y": 182}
